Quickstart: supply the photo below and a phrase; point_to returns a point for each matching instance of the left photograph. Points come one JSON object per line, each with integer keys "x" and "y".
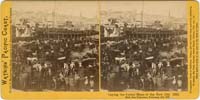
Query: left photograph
{"x": 55, "y": 46}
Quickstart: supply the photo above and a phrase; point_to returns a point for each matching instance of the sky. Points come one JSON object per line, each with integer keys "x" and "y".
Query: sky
{"x": 74, "y": 8}
{"x": 176, "y": 8}
{"x": 90, "y": 8}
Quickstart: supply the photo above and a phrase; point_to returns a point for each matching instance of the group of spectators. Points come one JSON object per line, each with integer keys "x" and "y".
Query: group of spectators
{"x": 64, "y": 64}
{"x": 128, "y": 63}
{"x": 144, "y": 64}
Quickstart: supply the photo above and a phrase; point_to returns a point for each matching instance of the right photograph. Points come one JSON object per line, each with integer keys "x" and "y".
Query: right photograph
{"x": 143, "y": 46}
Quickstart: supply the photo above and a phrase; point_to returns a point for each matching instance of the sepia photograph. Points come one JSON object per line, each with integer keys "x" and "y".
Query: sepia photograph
{"x": 143, "y": 46}
{"x": 55, "y": 46}
{"x": 99, "y": 49}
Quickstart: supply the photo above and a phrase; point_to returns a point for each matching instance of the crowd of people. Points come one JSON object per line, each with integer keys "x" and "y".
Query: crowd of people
{"x": 128, "y": 63}
{"x": 144, "y": 64}
{"x": 51, "y": 64}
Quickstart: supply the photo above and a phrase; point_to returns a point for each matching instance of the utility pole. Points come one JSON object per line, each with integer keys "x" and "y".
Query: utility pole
{"x": 142, "y": 14}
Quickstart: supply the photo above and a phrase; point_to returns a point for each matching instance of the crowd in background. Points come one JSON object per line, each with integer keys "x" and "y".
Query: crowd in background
{"x": 65, "y": 64}
{"x": 147, "y": 64}
{"x": 127, "y": 63}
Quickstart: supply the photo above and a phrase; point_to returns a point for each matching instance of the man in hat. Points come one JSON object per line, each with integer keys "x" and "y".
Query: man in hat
{"x": 81, "y": 74}
{"x": 37, "y": 74}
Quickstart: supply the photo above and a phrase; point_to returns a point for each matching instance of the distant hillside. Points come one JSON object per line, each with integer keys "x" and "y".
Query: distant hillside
{"x": 129, "y": 16}
{"x": 48, "y": 16}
